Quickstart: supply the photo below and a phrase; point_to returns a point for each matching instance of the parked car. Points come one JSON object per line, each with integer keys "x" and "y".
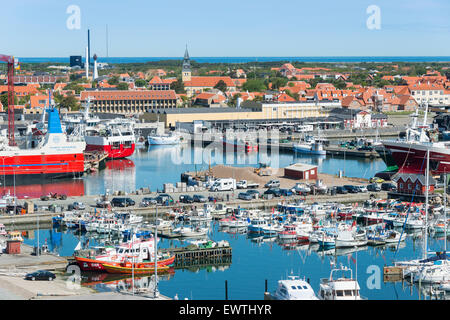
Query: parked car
{"x": 362, "y": 188}
{"x": 276, "y": 192}
{"x": 254, "y": 193}
{"x": 147, "y": 201}
{"x": 351, "y": 189}
{"x": 245, "y": 196}
{"x": 186, "y": 198}
{"x": 40, "y": 275}
{"x": 387, "y": 186}
{"x": 273, "y": 184}
{"x": 341, "y": 190}
{"x": 78, "y": 206}
{"x": 164, "y": 198}
{"x": 199, "y": 198}
{"x": 376, "y": 180}
{"x": 286, "y": 192}
{"x": 373, "y": 187}
{"x": 122, "y": 202}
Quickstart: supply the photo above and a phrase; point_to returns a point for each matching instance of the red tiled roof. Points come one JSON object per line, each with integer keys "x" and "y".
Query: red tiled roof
{"x": 208, "y": 82}
{"x": 129, "y": 95}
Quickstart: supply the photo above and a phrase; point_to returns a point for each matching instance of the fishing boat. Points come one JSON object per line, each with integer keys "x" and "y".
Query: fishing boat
{"x": 188, "y": 231}
{"x": 339, "y": 286}
{"x": 294, "y": 288}
{"x": 94, "y": 258}
{"x": 256, "y": 225}
{"x": 351, "y": 238}
{"x": 312, "y": 147}
{"x": 167, "y": 139}
{"x": 289, "y": 232}
{"x": 130, "y": 268}
{"x": 55, "y": 156}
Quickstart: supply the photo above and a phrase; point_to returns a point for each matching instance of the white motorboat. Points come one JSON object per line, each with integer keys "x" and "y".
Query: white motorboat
{"x": 294, "y": 288}
{"x": 347, "y": 239}
{"x": 339, "y": 286}
{"x": 167, "y": 139}
{"x": 437, "y": 273}
{"x": 310, "y": 147}
{"x": 191, "y": 232}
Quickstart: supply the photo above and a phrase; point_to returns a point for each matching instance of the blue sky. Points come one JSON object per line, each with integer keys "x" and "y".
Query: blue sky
{"x": 227, "y": 28}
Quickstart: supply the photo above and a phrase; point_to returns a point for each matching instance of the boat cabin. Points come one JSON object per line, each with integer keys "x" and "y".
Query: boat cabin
{"x": 339, "y": 286}
{"x": 294, "y": 289}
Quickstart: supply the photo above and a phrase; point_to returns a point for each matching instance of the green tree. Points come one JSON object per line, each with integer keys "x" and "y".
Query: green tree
{"x": 69, "y": 102}
{"x": 122, "y": 86}
{"x": 140, "y": 83}
{"x": 178, "y": 86}
{"x": 221, "y": 85}
{"x": 113, "y": 81}
{"x": 254, "y": 85}
{"x": 74, "y": 86}
{"x": 4, "y": 100}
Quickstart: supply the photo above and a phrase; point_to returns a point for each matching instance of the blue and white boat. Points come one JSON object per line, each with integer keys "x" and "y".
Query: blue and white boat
{"x": 256, "y": 225}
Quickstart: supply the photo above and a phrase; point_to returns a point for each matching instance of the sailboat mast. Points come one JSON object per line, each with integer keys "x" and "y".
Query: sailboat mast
{"x": 427, "y": 173}
{"x": 445, "y": 213}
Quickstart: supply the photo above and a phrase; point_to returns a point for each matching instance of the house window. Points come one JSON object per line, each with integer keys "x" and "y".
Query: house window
{"x": 401, "y": 185}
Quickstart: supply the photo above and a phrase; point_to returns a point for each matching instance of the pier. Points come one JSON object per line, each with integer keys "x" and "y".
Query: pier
{"x": 189, "y": 257}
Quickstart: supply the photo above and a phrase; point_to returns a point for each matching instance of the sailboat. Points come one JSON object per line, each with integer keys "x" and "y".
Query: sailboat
{"x": 427, "y": 269}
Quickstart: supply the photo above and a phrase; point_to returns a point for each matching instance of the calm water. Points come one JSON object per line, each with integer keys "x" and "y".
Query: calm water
{"x": 253, "y": 262}
{"x": 157, "y": 165}
{"x": 249, "y": 59}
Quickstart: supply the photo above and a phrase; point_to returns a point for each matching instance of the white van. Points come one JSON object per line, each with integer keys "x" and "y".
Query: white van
{"x": 223, "y": 185}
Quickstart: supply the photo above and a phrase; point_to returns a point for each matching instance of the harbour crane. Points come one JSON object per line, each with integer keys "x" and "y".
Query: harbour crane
{"x": 13, "y": 64}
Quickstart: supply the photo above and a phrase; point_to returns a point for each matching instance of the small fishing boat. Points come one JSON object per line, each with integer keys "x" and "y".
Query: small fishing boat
{"x": 136, "y": 269}
{"x": 168, "y": 139}
{"x": 289, "y": 232}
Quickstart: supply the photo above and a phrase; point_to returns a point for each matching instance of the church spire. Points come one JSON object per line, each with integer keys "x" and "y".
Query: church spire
{"x": 186, "y": 69}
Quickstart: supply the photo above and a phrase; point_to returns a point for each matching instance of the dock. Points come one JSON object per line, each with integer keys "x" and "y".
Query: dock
{"x": 187, "y": 257}
{"x": 94, "y": 160}
{"x": 345, "y": 152}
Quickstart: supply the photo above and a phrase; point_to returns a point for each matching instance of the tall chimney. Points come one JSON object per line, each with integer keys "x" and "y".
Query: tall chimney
{"x": 95, "y": 73}
{"x": 89, "y": 48}
{"x": 86, "y": 65}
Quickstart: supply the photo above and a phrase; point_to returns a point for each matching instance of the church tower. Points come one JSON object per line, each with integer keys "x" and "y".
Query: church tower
{"x": 186, "y": 69}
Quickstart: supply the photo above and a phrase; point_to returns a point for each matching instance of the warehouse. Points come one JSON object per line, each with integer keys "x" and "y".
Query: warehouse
{"x": 301, "y": 171}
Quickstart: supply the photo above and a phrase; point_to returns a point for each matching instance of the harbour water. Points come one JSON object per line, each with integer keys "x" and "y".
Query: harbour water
{"x": 255, "y": 261}
{"x": 157, "y": 165}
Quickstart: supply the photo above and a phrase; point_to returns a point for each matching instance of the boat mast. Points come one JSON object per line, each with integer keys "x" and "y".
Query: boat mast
{"x": 445, "y": 213}
{"x": 427, "y": 173}
{"x": 155, "y": 292}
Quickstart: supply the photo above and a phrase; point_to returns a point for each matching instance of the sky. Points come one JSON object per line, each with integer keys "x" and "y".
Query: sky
{"x": 230, "y": 28}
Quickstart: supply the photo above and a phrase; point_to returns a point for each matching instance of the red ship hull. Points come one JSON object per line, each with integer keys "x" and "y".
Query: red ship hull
{"x": 113, "y": 153}
{"x": 39, "y": 166}
{"x": 411, "y": 158}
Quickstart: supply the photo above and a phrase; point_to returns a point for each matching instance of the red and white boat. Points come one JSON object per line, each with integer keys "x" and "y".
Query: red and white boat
{"x": 289, "y": 233}
{"x": 56, "y": 155}
{"x": 410, "y": 153}
{"x": 114, "y": 137}
{"x": 139, "y": 251}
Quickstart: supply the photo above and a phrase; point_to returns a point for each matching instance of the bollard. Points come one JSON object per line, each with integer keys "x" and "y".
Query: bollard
{"x": 226, "y": 289}
{"x": 265, "y": 286}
